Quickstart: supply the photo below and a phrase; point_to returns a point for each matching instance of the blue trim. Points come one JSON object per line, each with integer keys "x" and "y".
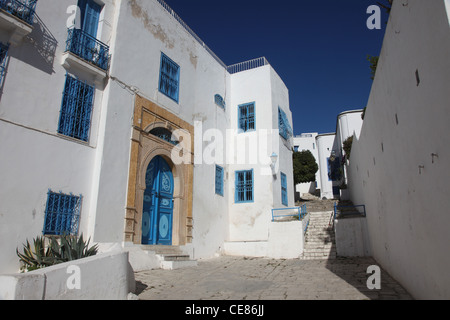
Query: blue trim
{"x": 62, "y": 214}
{"x": 285, "y": 128}
{"x": 76, "y": 109}
{"x": 284, "y": 195}
{"x": 24, "y": 9}
{"x": 220, "y": 101}
{"x": 169, "y": 78}
{"x": 247, "y": 117}
{"x": 244, "y": 187}
{"x": 219, "y": 180}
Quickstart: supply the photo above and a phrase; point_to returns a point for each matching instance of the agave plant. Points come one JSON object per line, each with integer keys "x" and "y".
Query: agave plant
{"x": 68, "y": 248}
{"x": 35, "y": 257}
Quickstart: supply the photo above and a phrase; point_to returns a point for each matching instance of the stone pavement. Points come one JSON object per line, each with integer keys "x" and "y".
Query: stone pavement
{"x": 237, "y": 278}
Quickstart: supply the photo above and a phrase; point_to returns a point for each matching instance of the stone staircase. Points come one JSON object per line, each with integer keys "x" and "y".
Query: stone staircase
{"x": 171, "y": 257}
{"x": 320, "y": 240}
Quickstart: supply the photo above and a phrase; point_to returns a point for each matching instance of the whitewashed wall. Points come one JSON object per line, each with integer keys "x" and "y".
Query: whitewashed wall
{"x": 34, "y": 158}
{"x": 392, "y": 170}
{"x": 325, "y": 144}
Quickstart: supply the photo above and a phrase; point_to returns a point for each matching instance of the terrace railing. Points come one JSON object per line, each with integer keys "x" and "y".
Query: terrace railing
{"x": 24, "y": 9}
{"x": 299, "y": 212}
{"x": 247, "y": 65}
{"x": 349, "y": 210}
{"x": 88, "y": 48}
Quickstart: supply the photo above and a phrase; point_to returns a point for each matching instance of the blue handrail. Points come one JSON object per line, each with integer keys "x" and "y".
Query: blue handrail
{"x": 301, "y": 212}
{"x": 24, "y": 10}
{"x": 336, "y": 209}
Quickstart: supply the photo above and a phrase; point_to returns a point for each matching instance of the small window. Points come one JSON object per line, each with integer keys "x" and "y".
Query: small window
{"x": 169, "y": 78}
{"x": 219, "y": 180}
{"x": 247, "y": 117}
{"x": 3, "y": 57}
{"x": 164, "y": 134}
{"x": 284, "y": 195}
{"x": 244, "y": 186}
{"x": 219, "y": 101}
{"x": 284, "y": 125}
{"x": 62, "y": 214}
{"x": 76, "y": 109}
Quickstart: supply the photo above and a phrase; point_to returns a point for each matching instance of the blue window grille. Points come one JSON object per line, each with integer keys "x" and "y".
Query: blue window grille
{"x": 62, "y": 214}
{"x": 219, "y": 101}
{"x": 164, "y": 134}
{"x": 3, "y": 58}
{"x": 244, "y": 186}
{"x": 23, "y": 9}
{"x": 169, "y": 78}
{"x": 246, "y": 117}
{"x": 285, "y": 128}
{"x": 76, "y": 109}
{"x": 284, "y": 195}
{"x": 219, "y": 180}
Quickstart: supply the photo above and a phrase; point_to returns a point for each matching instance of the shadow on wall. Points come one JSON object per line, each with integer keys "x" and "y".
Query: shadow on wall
{"x": 39, "y": 48}
{"x": 354, "y": 271}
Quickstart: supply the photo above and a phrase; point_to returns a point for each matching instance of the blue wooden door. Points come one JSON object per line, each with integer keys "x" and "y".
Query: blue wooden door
{"x": 158, "y": 203}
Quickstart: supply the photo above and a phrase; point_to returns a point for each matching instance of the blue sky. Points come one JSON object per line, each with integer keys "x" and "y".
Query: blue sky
{"x": 318, "y": 48}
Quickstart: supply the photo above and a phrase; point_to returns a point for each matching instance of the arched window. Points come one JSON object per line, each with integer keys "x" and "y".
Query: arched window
{"x": 164, "y": 134}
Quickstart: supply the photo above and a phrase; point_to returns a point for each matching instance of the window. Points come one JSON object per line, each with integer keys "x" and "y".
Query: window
{"x": 164, "y": 134}
{"x": 284, "y": 126}
{"x": 284, "y": 196}
{"x": 244, "y": 186}
{"x": 3, "y": 57}
{"x": 76, "y": 109}
{"x": 219, "y": 180}
{"x": 169, "y": 78}
{"x": 219, "y": 101}
{"x": 62, "y": 214}
{"x": 246, "y": 117}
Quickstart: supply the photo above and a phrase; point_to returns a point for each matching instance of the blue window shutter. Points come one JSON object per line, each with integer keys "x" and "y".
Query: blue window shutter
{"x": 219, "y": 180}
{"x": 244, "y": 191}
{"x": 90, "y": 16}
{"x": 246, "y": 117}
{"x": 284, "y": 197}
{"x": 169, "y": 78}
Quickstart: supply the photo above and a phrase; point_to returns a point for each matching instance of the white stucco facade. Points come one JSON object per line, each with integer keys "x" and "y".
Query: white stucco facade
{"x": 399, "y": 164}
{"x": 36, "y": 158}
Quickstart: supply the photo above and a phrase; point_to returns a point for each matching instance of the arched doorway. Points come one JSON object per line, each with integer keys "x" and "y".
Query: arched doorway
{"x": 157, "y": 213}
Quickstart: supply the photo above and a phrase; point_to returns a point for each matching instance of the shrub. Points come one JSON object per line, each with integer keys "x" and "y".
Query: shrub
{"x": 68, "y": 248}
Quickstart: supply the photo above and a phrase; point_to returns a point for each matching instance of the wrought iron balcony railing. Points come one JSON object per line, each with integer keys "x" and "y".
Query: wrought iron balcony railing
{"x": 88, "y": 48}
{"x": 23, "y": 9}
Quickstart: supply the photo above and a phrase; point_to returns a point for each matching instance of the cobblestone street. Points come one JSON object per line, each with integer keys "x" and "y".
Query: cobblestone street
{"x": 235, "y": 278}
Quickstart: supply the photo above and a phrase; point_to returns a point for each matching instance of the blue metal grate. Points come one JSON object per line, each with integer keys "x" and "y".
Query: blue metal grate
{"x": 3, "y": 58}
{"x": 244, "y": 186}
{"x": 24, "y": 9}
{"x": 284, "y": 126}
{"x": 284, "y": 195}
{"x": 219, "y": 180}
{"x": 76, "y": 109}
{"x": 169, "y": 78}
{"x": 247, "y": 117}
{"x": 88, "y": 48}
{"x": 62, "y": 214}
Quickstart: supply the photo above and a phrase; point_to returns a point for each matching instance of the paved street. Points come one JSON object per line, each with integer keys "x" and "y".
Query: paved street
{"x": 233, "y": 278}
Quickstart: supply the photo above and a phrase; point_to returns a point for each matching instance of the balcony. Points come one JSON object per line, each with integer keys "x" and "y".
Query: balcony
{"x": 16, "y": 17}
{"x": 84, "y": 52}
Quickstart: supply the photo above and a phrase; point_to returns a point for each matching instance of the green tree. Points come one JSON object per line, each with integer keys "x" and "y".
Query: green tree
{"x": 305, "y": 167}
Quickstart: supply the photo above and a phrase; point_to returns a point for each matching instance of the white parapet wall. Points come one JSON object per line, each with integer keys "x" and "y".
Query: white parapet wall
{"x": 105, "y": 276}
{"x": 352, "y": 239}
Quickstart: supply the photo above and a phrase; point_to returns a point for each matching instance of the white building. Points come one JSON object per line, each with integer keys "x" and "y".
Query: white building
{"x": 127, "y": 128}
{"x": 399, "y": 164}
{"x": 307, "y": 142}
